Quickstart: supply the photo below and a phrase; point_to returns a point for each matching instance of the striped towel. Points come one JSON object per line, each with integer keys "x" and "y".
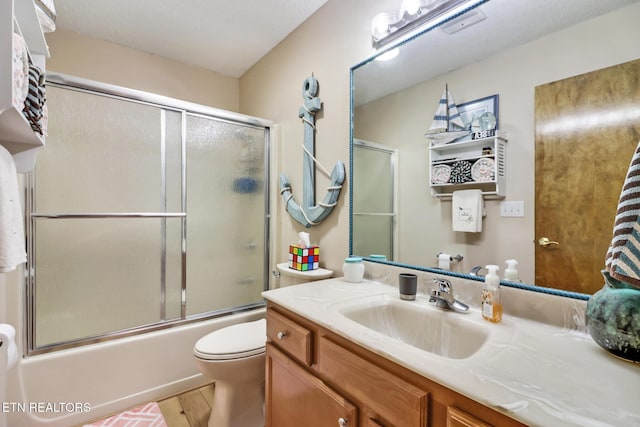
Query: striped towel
{"x": 36, "y": 97}
{"x": 623, "y": 257}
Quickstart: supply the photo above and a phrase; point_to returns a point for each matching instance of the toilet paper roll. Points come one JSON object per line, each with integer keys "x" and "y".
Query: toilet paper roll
{"x": 444, "y": 261}
{"x": 8, "y": 349}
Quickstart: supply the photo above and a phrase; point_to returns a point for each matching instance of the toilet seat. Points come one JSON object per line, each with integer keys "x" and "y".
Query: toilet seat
{"x": 233, "y": 342}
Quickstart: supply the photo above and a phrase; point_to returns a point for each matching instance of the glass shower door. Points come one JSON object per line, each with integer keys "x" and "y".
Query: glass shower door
{"x": 142, "y": 215}
{"x": 99, "y": 228}
{"x": 226, "y": 214}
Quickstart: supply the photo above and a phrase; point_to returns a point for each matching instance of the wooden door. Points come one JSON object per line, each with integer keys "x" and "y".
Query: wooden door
{"x": 586, "y": 130}
{"x": 295, "y": 398}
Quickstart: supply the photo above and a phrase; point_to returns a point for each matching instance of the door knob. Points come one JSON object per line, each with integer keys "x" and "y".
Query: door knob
{"x": 545, "y": 241}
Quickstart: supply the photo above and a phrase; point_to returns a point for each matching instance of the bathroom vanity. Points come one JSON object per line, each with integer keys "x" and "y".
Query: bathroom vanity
{"x": 344, "y": 384}
{"x": 332, "y": 359}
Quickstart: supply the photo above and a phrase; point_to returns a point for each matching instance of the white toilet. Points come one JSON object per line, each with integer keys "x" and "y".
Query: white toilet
{"x": 234, "y": 358}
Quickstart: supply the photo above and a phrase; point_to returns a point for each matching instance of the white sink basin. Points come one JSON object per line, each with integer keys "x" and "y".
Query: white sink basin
{"x": 418, "y": 324}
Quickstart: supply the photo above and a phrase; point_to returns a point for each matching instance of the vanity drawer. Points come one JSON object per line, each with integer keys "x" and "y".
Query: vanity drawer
{"x": 394, "y": 400}
{"x": 289, "y": 336}
{"x": 459, "y": 418}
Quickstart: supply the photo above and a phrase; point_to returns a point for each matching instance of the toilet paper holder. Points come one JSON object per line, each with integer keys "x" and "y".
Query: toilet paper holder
{"x": 455, "y": 258}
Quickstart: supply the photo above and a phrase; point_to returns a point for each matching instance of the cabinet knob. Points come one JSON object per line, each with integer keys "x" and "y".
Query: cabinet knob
{"x": 545, "y": 242}
{"x": 342, "y": 422}
{"x": 281, "y": 335}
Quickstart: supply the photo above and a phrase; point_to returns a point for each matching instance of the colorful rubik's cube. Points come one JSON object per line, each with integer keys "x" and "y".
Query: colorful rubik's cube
{"x": 304, "y": 259}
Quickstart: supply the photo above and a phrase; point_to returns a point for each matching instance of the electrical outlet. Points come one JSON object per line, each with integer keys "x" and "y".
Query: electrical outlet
{"x": 512, "y": 209}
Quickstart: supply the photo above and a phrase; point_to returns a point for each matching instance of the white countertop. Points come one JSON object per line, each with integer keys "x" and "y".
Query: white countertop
{"x": 540, "y": 374}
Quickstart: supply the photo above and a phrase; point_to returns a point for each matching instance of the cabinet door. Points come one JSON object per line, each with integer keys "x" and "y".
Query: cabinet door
{"x": 295, "y": 398}
{"x": 394, "y": 400}
{"x": 458, "y": 418}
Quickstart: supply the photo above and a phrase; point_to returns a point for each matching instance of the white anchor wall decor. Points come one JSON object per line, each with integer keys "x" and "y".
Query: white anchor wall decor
{"x": 309, "y": 213}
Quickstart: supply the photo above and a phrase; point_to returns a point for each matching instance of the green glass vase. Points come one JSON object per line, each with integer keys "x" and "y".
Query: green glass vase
{"x": 613, "y": 318}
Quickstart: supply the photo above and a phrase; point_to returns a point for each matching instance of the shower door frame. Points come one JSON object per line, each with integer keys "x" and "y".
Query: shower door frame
{"x": 164, "y": 104}
{"x": 393, "y": 215}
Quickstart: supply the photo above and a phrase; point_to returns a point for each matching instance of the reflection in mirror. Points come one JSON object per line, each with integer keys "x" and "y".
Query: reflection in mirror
{"x": 374, "y": 201}
{"x": 393, "y": 104}
{"x": 609, "y": 100}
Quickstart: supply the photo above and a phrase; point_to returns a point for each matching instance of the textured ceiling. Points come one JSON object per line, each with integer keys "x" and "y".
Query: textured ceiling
{"x": 225, "y": 36}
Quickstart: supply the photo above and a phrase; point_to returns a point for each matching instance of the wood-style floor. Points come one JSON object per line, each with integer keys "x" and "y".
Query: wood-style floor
{"x": 189, "y": 409}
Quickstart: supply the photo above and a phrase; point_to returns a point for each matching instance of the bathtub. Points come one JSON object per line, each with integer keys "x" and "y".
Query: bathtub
{"x": 79, "y": 385}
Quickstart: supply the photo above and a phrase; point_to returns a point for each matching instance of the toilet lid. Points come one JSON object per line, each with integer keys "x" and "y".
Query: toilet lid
{"x": 233, "y": 342}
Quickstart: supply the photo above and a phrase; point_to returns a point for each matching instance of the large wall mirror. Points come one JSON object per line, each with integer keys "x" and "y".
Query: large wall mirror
{"x": 514, "y": 52}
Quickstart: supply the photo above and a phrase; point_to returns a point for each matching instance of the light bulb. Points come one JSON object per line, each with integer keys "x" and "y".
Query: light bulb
{"x": 380, "y": 25}
{"x": 410, "y": 6}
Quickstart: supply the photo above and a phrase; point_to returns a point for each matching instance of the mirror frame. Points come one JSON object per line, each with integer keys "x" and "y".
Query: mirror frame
{"x": 352, "y": 70}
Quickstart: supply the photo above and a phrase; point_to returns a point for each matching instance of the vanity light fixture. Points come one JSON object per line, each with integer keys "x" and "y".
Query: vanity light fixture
{"x": 414, "y": 14}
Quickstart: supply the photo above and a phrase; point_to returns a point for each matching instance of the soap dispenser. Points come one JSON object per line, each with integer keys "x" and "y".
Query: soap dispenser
{"x": 511, "y": 272}
{"x": 491, "y": 301}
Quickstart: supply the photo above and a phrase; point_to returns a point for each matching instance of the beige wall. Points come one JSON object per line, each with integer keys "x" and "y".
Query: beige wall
{"x": 93, "y": 59}
{"x": 337, "y": 37}
{"x": 327, "y": 45}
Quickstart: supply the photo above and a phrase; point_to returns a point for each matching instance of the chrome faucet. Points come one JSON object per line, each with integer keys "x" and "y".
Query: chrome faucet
{"x": 475, "y": 271}
{"x": 443, "y": 297}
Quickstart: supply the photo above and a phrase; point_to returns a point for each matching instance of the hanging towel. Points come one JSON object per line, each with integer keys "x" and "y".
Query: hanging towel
{"x": 623, "y": 257}
{"x": 12, "y": 247}
{"x": 467, "y": 207}
{"x": 20, "y": 71}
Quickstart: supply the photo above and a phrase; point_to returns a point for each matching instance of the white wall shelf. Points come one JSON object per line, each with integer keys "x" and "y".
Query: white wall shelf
{"x": 445, "y": 158}
{"x": 16, "y": 134}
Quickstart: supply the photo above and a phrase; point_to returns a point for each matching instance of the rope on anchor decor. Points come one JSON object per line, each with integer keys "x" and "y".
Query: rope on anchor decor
{"x": 309, "y": 213}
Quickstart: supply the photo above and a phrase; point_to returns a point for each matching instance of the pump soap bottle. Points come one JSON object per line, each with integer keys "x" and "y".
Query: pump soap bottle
{"x": 491, "y": 301}
{"x": 511, "y": 272}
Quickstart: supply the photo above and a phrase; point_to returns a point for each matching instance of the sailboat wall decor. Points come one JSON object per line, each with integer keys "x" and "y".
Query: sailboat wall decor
{"x": 308, "y": 213}
{"x": 447, "y": 125}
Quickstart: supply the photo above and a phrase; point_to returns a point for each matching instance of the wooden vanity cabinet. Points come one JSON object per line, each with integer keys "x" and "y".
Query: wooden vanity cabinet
{"x": 316, "y": 378}
{"x": 394, "y": 401}
{"x": 295, "y": 397}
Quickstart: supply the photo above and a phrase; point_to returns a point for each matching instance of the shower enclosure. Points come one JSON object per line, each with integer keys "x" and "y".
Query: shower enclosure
{"x": 143, "y": 212}
{"x": 374, "y": 199}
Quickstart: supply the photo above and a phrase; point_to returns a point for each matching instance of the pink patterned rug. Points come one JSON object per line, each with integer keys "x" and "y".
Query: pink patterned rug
{"x": 148, "y": 415}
